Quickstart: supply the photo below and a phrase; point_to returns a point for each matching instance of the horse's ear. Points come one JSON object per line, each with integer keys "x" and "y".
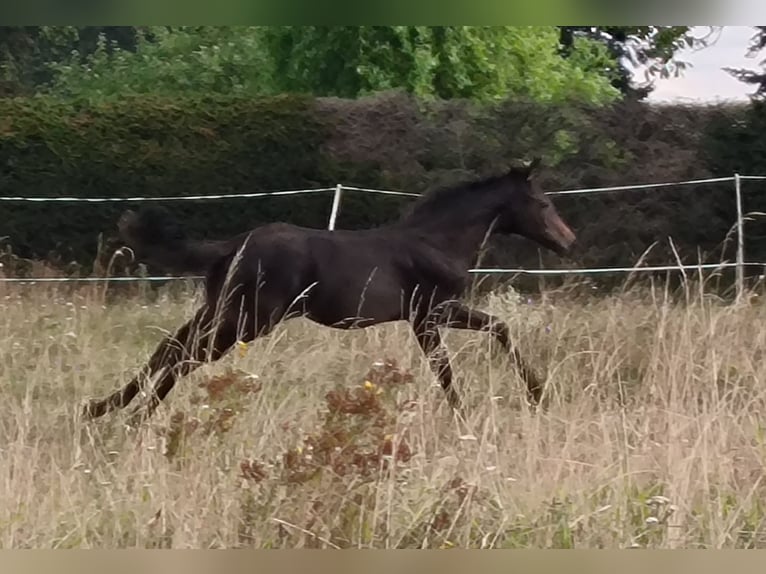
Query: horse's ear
{"x": 533, "y": 166}
{"x": 527, "y": 169}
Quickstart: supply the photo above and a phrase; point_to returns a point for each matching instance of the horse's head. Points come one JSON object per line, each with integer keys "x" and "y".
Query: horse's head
{"x": 531, "y": 214}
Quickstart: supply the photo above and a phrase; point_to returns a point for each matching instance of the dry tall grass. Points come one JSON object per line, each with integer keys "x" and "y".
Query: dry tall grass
{"x": 652, "y": 436}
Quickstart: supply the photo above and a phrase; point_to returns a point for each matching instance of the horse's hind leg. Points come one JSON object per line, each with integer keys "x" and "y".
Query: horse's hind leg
{"x": 206, "y": 344}
{"x": 199, "y": 340}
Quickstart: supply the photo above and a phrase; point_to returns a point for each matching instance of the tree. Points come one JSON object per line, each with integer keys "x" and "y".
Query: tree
{"x": 477, "y": 62}
{"x": 23, "y": 52}
{"x": 482, "y": 63}
{"x": 168, "y": 60}
{"x": 758, "y": 79}
{"x": 27, "y": 51}
{"x": 653, "y": 47}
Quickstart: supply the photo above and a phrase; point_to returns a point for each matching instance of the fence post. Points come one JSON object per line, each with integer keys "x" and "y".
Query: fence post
{"x": 740, "y": 239}
{"x": 335, "y": 207}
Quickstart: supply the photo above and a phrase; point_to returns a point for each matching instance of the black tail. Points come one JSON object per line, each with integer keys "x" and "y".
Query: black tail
{"x": 156, "y": 238}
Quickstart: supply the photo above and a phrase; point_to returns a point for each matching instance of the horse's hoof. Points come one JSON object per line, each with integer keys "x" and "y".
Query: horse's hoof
{"x": 133, "y": 422}
{"x": 137, "y": 418}
{"x": 457, "y": 407}
{"x": 93, "y": 409}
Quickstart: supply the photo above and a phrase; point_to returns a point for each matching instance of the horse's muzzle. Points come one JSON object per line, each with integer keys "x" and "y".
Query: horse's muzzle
{"x": 560, "y": 235}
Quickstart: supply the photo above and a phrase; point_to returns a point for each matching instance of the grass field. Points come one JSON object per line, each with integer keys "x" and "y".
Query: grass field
{"x": 652, "y": 434}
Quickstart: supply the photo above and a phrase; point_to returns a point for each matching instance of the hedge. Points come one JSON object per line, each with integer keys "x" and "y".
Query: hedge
{"x": 228, "y": 144}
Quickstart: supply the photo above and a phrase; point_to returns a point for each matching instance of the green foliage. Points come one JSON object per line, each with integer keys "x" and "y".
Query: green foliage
{"x": 169, "y": 61}
{"x": 448, "y": 61}
{"x": 24, "y": 50}
{"x": 478, "y": 62}
{"x": 27, "y": 52}
{"x": 754, "y": 78}
{"x": 655, "y": 48}
{"x": 482, "y": 62}
{"x": 153, "y": 146}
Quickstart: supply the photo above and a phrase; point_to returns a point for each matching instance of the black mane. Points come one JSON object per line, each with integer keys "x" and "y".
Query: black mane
{"x": 456, "y": 197}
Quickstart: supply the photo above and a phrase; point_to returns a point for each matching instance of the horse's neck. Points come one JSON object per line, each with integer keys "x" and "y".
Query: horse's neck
{"x": 460, "y": 240}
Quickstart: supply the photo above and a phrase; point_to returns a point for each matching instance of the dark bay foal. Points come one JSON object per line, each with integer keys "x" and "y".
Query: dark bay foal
{"x": 415, "y": 269}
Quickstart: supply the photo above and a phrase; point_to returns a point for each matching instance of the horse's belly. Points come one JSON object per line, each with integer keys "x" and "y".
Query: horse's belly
{"x": 347, "y": 305}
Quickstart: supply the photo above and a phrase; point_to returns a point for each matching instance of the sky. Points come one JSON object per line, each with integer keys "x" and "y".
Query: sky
{"x": 704, "y": 80}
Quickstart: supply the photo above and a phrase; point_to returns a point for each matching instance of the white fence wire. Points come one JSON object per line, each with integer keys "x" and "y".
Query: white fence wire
{"x": 338, "y": 190}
